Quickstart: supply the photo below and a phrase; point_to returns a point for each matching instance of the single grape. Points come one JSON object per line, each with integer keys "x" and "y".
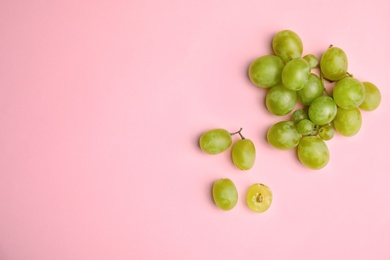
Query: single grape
{"x": 349, "y": 93}
{"x": 312, "y": 60}
{"x": 312, "y": 90}
{"x": 244, "y": 154}
{"x": 259, "y": 197}
{"x": 287, "y": 45}
{"x": 305, "y": 127}
{"x": 296, "y": 74}
{"x": 348, "y": 121}
{"x": 215, "y": 141}
{"x": 225, "y": 194}
{"x": 280, "y": 101}
{"x": 283, "y": 135}
{"x": 334, "y": 64}
{"x": 298, "y": 115}
{"x": 322, "y": 110}
{"x": 373, "y": 97}
{"x": 266, "y": 71}
{"x": 326, "y": 132}
{"x": 313, "y": 152}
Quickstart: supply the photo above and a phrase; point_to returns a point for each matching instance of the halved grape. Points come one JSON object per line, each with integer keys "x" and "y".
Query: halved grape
{"x": 280, "y": 101}
{"x": 334, "y": 64}
{"x": 215, "y": 141}
{"x": 283, "y": 135}
{"x": 266, "y": 71}
{"x": 296, "y": 74}
{"x": 313, "y": 152}
{"x": 348, "y": 121}
{"x": 312, "y": 90}
{"x": 322, "y": 110}
{"x": 373, "y": 97}
{"x": 349, "y": 93}
{"x": 287, "y": 45}
{"x": 259, "y": 197}
{"x": 225, "y": 194}
{"x": 244, "y": 154}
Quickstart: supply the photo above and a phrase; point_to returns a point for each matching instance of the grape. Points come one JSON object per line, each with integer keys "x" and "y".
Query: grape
{"x": 334, "y": 64}
{"x": 326, "y": 132}
{"x": 305, "y": 127}
{"x": 215, "y": 141}
{"x": 266, "y": 71}
{"x": 259, "y": 197}
{"x": 312, "y": 60}
{"x": 287, "y": 45}
{"x": 348, "y": 121}
{"x": 322, "y": 110}
{"x": 312, "y": 90}
{"x": 313, "y": 152}
{"x": 283, "y": 135}
{"x": 225, "y": 194}
{"x": 244, "y": 154}
{"x": 349, "y": 93}
{"x": 298, "y": 115}
{"x": 296, "y": 74}
{"x": 373, "y": 97}
{"x": 280, "y": 100}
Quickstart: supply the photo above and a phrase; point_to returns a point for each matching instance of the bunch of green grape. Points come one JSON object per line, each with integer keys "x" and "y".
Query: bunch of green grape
{"x": 243, "y": 154}
{"x": 291, "y": 79}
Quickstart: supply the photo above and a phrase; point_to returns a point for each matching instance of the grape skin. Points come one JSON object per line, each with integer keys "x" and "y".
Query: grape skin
{"x": 287, "y": 45}
{"x": 373, "y": 97}
{"x": 266, "y": 71}
{"x": 322, "y": 110}
{"x": 225, "y": 194}
{"x": 349, "y": 93}
{"x": 280, "y": 101}
{"x": 215, "y": 141}
{"x": 348, "y": 121}
{"x": 283, "y": 135}
{"x": 244, "y": 154}
{"x": 296, "y": 74}
{"x": 334, "y": 64}
{"x": 313, "y": 152}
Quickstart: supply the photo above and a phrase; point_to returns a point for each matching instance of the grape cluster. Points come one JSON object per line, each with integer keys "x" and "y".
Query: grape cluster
{"x": 291, "y": 79}
{"x": 243, "y": 154}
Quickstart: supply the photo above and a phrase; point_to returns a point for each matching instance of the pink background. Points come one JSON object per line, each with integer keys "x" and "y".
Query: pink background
{"x": 101, "y": 107}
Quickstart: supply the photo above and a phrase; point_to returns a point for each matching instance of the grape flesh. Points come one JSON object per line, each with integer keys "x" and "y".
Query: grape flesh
{"x": 322, "y": 110}
{"x": 280, "y": 100}
{"x": 287, "y": 45}
{"x": 266, "y": 71}
{"x": 313, "y": 152}
{"x": 283, "y": 135}
{"x": 243, "y": 154}
{"x": 312, "y": 90}
{"x": 225, "y": 194}
{"x": 373, "y": 97}
{"x": 349, "y": 93}
{"x": 334, "y": 64}
{"x": 296, "y": 74}
{"x": 348, "y": 121}
{"x": 215, "y": 141}
{"x": 259, "y": 197}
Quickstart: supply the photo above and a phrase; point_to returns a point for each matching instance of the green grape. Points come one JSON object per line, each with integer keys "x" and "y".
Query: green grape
{"x": 259, "y": 197}
{"x": 280, "y": 101}
{"x": 244, "y": 154}
{"x": 349, "y": 93}
{"x": 313, "y": 152}
{"x": 215, "y": 141}
{"x": 373, "y": 97}
{"x": 326, "y": 132}
{"x": 225, "y": 194}
{"x": 266, "y": 71}
{"x": 334, "y": 64}
{"x": 348, "y": 121}
{"x": 287, "y": 45}
{"x": 312, "y": 60}
{"x": 322, "y": 110}
{"x": 312, "y": 90}
{"x": 298, "y": 115}
{"x": 283, "y": 135}
{"x": 305, "y": 127}
{"x": 296, "y": 74}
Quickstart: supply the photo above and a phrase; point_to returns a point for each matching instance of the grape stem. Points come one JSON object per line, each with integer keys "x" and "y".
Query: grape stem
{"x": 238, "y": 132}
